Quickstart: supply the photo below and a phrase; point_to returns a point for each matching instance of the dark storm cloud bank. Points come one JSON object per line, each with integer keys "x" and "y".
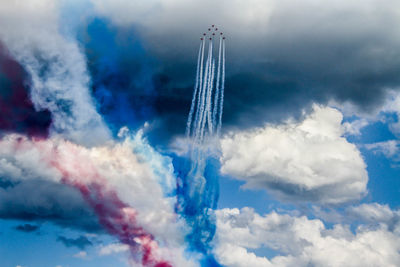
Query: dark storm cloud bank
{"x": 44, "y": 201}
{"x": 273, "y": 91}
{"x": 279, "y": 60}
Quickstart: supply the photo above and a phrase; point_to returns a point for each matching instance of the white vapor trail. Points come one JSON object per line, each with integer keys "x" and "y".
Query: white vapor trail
{"x": 222, "y": 88}
{"x": 189, "y": 122}
{"x": 208, "y": 95}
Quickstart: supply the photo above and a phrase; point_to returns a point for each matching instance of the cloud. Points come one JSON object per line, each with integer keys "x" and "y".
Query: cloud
{"x": 59, "y": 81}
{"x": 27, "y": 228}
{"x": 41, "y": 200}
{"x": 308, "y": 160}
{"x": 388, "y": 148}
{"x": 300, "y": 241}
{"x": 113, "y": 248}
{"x": 374, "y": 213}
{"x": 29, "y": 165}
{"x": 354, "y": 127}
{"x": 81, "y": 254}
{"x": 18, "y": 112}
{"x": 80, "y": 242}
{"x": 122, "y": 174}
{"x": 281, "y": 56}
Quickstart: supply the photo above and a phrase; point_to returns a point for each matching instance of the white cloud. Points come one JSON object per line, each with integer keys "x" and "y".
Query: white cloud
{"x": 81, "y": 255}
{"x": 388, "y": 148}
{"x": 374, "y": 213}
{"x": 56, "y": 66}
{"x": 113, "y": 248}
{"x": 300, "y": 241}
{"x": 131, "y": 168}
{"x": 308, "y": 160}
{"x": 392, "y": 105}
{"x": 354, "y": 127}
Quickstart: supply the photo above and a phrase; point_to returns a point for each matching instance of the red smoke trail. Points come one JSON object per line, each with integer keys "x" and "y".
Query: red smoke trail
{"x": 117, "y": 217}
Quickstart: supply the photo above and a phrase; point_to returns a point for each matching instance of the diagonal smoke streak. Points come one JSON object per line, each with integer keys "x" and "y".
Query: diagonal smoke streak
{"x": 80, "y": 168}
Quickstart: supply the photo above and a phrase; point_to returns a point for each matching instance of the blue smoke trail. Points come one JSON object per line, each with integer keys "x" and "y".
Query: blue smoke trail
{"x": 122, "y": 77}
{"x": 197, "y": 173}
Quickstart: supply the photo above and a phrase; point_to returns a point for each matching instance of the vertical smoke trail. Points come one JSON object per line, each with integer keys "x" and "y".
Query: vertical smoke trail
{"x": 222, "y": 89}
{"x": 198, "y": 185}
{"x": 209, "y": 86}
{"x": 189, "y": 122}
{"x": 217, "y": 87}
{"x": 196, "y": 121}
{"x": 203, "y": 95}
{"x": 209, "y": 101}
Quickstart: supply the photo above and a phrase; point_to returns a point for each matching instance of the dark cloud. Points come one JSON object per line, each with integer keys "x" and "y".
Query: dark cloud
{"x": 27, "y": 228}
{"x": 281, "y": 57}
{"x": 39, "y": 200}
{"x": 81, "y": 242}
{"x": 17, "y": 111}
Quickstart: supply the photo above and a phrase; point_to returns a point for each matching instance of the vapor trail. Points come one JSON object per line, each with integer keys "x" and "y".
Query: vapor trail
{"x": 203, "y": 95}
{"x": 189, "y": 122}
{"x": 221, "y": 103}
{"x": 205, "y": 110}
{"x": 196, "y": 121}
{"x": 198, "y": 187}
{"x": 209, "y": 101}
{"x": 217, "y": 86}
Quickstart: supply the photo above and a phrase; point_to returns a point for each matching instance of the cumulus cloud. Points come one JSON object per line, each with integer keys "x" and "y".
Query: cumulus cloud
{"x": 374, "y": 213}
{"x": 59, "y": 81}
{"x": 308, "y": 160}
{"x": 129, "y": 168}
{"x": 300, "y": 241}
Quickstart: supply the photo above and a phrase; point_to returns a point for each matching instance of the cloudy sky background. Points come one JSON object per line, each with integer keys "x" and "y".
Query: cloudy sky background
{"x": 309, "y": 151}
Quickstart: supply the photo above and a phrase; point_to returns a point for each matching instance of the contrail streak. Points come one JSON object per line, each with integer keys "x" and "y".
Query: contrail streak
{"x": 189, "y": 122}
{"x": 222, "y": 89}
{"x": 217, "y": 86}
{"x": 207, "y": 102}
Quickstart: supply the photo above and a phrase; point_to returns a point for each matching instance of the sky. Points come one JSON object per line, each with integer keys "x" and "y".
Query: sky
{"x": 112, "y": 152}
